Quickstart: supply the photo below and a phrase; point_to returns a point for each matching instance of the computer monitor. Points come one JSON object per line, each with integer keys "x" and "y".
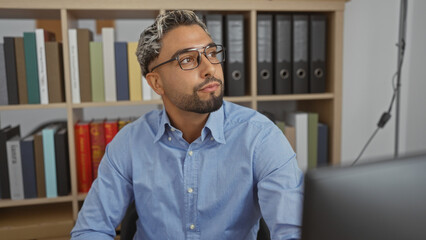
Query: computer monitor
{"x": 382, "y": 200}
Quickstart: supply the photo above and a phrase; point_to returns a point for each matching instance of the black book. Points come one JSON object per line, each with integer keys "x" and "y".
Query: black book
{"x": 62, "y": 162}
{"x": 5, "y": 135}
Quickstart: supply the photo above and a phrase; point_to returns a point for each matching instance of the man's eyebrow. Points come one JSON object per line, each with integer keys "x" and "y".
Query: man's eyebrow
{"x": 186, "y": 49}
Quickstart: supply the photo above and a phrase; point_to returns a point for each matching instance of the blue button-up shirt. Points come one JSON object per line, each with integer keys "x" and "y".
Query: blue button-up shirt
{"x": 239, "y": 169}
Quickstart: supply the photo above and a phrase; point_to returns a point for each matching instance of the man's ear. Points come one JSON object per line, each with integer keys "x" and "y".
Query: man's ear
{"x": 154, "y": 80}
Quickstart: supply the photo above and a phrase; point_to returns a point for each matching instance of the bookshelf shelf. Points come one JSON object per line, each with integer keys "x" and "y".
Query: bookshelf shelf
{"x": 34, "y": 201}
{"x": 54, "y": 218}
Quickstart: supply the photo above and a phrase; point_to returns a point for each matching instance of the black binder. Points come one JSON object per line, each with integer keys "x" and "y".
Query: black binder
{"x": 300, "y": 53}
{"x": 264, "y": 54}
{"x": 282, "y": 58}
{"x": 214, "y": 23}
{"x": 317, "y": 56}
{"x": 234, "y": 64}
{"x": 6, "y": 134}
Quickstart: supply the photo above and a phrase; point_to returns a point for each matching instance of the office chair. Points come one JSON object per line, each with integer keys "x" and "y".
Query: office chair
{"x": 128, "y": 225}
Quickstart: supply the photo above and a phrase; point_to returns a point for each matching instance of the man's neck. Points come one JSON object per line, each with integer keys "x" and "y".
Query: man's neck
{"x": 189, "y": 123}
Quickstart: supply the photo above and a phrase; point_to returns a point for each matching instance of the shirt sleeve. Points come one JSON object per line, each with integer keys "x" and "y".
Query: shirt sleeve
{"x": 108, "y": 198}
{"x": 279, "y": 185}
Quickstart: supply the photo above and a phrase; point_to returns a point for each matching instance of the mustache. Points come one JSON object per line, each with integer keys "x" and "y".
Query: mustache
{"x": 207, "y": 81}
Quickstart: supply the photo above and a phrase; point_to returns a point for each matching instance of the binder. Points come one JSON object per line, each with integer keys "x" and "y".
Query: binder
{"x": 234, "y": 64}
{"x": 300, "y": 53}
{"x": 214, "y": 23}
{"x": 282, "y": 60}
{"x": 264, "y": 54}
{"x": 318, "y": 43}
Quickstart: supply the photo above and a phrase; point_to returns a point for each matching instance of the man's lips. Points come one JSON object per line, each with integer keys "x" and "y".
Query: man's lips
{"x": 211, "y": 87}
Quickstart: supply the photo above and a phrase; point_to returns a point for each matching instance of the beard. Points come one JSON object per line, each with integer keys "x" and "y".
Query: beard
{"x": 193, "y": 103}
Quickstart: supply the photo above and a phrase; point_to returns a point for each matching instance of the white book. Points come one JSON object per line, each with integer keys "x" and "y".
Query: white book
{"x": 109, "y": 64}
{"x": 300, "y": 121}
{"x": 41, "y": 63}
{"x": 14, "y": 164}
{"x": 74, "y": 72}
{"x": 146, "y": 90}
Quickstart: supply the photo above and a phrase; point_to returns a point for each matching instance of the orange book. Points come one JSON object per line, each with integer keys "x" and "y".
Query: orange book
{"x": 111, "y": 129}
{"x": 97, "y": 138}
{"x": 83, "y": 156}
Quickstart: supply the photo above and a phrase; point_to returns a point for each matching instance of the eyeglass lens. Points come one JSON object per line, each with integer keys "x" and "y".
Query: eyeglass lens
{"x": 190, "y": 59}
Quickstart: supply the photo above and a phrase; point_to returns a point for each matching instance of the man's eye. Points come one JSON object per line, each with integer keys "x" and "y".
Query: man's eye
{"x": 212, "y": 54}
{"x": 187, "y": 60}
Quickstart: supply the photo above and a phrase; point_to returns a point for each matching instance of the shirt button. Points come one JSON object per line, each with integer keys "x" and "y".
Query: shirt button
{"x": 212, "y": 138}
{"x": 173, "y": 129}
{"x": 170, "y": 138}
{"x": 190, "y": 190}
{"x": 190, "y": 153}
{"x": 192, "y": 227}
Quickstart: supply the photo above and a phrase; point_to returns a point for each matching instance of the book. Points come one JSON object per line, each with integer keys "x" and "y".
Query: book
{"x": 290, "y": 133}
{"x": 74, "y": 72}
{"x": 97, "y": 72}
{"x": 55, "y": 72}
{"x": 62, "y": 162}
{"x": 83, "y": 156}
{"x": 50, "y": 161}
{"x": 312, "y": 140}
{"x": 135, "y": 75}
{"x": 42, "y": 36}
{"x": 20, "y": 70}
{"x": 322, "y": 145}
{"x": 5, "y": 134}
{"x": 111, "y": 129}
{"x": 97, "y": 140}
{"x": 109, "y": 64}
{"x": 123, "y": 122}
{"x": 11, "y": 74}
{"x": 121, "y": 71}
{"x": 14, "y": 161}
{"x": 84, "y": 36}
{"x": 39, "y": 164}
{"x": 28, "y": 167}
{"x": 31, "y": 68}
{"x": 4, "y": 100}
{"x": 300, "y": 121}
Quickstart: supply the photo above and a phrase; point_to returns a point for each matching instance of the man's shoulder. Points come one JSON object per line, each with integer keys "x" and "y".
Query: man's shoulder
{"x": 240, "y": 115}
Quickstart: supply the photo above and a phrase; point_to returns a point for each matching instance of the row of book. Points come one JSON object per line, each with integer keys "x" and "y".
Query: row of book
{"x": 105, "y": 71}
{"x": 91, "y": 138}
{"x": 308, "y": 137}
{"x": 36, "y": 165}
{"x": 291, "y": 52}
{"x": 31, "y": 69}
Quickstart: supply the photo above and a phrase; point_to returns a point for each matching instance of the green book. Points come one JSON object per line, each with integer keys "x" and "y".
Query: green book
{"x": 30, "y": 51}
{"x": 97, "y": 72}
{"x": 312, "y": 140}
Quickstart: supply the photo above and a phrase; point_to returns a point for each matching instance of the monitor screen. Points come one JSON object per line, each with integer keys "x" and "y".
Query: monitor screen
{"x": 382, "y": 200}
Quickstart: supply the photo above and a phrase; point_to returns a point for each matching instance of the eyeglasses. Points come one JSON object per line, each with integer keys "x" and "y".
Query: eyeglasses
{"x": 190, "y": 58}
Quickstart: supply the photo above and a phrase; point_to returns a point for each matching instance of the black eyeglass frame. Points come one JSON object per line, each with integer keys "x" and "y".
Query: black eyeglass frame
{"x": 176, "y": 56}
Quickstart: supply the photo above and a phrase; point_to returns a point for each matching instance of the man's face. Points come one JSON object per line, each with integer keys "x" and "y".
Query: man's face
{"x": 199, "y": 90}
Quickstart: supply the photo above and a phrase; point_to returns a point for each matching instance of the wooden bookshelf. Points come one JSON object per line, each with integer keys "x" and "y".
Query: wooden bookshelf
{"x": 44, "y": 218}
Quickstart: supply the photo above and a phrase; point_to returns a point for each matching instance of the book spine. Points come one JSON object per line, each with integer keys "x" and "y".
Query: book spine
{"x": 135, "y": 75}
{"x": 4, "y": 100}
{"x": 31, "y": 67}
{"x": 84, "y": 157}
{"x": 49, "y": 162}
{"x": 109, "y": 64}
{"x": 84, "y": 37}
{"x": 121, "y": 71}
{"x": 97, "y": 137}
{"x": 111, "y": 129}
{"x": 62, "y": 162}
{"x": 28, "y": 168}
{"x": 15, "y": 169}
{"x": 39, "y": 165}
{"x": 55, "y": 73}
{"x": 20, "y": 70}
{"x": 75, "y": 81}
{"x": 97, "y": 72}
{"x": 11, "y": 77}
{"x": 42, "y": 72}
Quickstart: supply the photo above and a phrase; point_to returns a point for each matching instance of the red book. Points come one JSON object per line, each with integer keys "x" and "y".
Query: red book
{"x": 111, "y": 128}
{"x": 97, "y": 137}
{"x": 83, "y": 156}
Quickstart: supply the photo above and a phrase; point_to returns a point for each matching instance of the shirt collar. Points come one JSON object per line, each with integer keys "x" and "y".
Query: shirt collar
{"x": 214, "y": 123}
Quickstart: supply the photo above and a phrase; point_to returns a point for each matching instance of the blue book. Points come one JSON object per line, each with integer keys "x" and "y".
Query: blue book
{"x": 50, "y": 161}
{"x": 121, "y": 71}
{"x": 28, "y": 167}
{"x": 322, "y": 145}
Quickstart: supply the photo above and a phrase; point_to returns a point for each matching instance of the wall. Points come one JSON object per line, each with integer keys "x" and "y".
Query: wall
{"x": 370, "y": 59}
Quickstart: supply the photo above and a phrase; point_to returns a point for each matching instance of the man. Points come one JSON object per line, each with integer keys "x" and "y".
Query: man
{"x": 201, "y": 168}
